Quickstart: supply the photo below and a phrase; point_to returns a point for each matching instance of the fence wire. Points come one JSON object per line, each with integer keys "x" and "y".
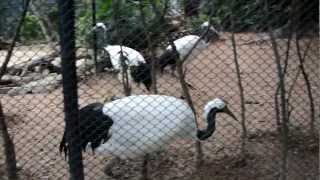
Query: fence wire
{"x": 258, "y": 58}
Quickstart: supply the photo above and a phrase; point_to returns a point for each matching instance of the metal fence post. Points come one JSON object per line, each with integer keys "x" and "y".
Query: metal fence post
{"x": 69, "y": 82}
{"x": 94, "y": 37}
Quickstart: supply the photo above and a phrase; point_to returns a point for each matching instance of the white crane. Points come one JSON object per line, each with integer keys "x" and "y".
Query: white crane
{"x": 138, "y": 70}
{"x": 133, "y": 57}
{"x": 186, "y": 44}
{"x": 141, "y": 124}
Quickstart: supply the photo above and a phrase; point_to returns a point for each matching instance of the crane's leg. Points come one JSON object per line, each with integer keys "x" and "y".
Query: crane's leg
{"x": 144, "y": 171}
{"x": 159, "y": 158}
{"x": 173, "y": 70}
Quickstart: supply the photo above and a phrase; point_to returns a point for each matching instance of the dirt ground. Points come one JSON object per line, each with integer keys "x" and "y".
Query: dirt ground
{"x": 36, "y": 120}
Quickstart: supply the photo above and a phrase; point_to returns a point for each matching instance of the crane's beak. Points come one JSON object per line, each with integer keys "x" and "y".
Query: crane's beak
{"x": 227, "y": 111}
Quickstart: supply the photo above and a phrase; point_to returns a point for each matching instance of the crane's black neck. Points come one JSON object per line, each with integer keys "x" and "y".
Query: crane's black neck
{"x": 206, "y": 34}
{"x": 105, "y": 61}
{"x": 211, "y": 127}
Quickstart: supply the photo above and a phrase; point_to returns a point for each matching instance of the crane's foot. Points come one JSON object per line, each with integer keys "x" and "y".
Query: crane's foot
{"x": 109, "y": 168}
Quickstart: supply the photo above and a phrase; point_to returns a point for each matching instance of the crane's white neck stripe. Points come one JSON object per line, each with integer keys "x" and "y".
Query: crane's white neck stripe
{"x": 216, "y": 103}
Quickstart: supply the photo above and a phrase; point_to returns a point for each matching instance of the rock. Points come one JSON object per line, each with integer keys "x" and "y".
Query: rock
{"x": 45, "y": 72}
{"x": 57, "y": 62}
{"x": 5, "y": 90}
{"x": 83, "y": 66}
{"x": 12, "y": 78}
{"x": 15, "y": 70}
{"x": 44, "y": 85}
{"x": 19, "y": 80}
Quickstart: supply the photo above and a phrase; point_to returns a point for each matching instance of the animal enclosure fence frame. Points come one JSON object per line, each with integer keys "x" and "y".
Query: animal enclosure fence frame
{"x": 69, "y": 83}
{"x": 291, "y": 77}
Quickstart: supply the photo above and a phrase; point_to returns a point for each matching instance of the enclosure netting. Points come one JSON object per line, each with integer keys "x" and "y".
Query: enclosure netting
{"x": 241, "y": 65}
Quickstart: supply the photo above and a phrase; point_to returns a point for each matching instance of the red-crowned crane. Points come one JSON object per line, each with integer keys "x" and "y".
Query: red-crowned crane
{"x": 186, "y": 44}
{"x": 137, "y": 125}
{"x": 138, "y": 70}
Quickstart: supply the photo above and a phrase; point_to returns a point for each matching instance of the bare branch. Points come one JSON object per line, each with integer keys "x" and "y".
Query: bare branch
{"x": 184, "y": 86}
{"x": 10, "y": 155}
{"x": 4, "y": 66}
{"x": 241, "y": 91}
{"x": 150, "y": 48}
{"x": 283, "y": 105}
{"x": 44, "y": 25}
{"x": 308, "y": 84}
{"x": 286, "y": 60}
{"x": 125, "y": 76}
{"x": 11, "y": 161}
{"x": 301, "y": 59}
{"x": 94, "y": 34}
{"x": 116, "y": 5}
{"x": 277, "y": 108}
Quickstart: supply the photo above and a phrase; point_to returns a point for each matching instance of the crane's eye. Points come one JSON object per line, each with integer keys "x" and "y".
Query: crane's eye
{"x": 219, "y": 104}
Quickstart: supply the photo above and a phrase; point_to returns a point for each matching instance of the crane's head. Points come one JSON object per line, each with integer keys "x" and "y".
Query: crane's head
{"x": 210, "y": 34}
{"x": 218, "y": 106}
{"x": 100, "y": 25}
{"x": 211, "y": 109}
{"x": 101, "y": 29}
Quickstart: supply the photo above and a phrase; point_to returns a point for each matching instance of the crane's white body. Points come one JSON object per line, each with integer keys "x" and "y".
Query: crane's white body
{"x": 185, "y": 44}
{"x": 133, "y": 56}
{"x": 146, "y": 123}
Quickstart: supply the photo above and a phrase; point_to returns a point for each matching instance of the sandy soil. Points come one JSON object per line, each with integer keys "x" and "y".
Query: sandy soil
{"x": 36, "y": 120}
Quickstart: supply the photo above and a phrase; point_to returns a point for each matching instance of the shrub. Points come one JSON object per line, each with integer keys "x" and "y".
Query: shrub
{"x": 31, "y": 30}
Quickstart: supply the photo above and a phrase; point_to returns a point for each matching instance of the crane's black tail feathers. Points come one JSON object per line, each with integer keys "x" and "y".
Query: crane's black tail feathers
{"x": 169, "y": 57}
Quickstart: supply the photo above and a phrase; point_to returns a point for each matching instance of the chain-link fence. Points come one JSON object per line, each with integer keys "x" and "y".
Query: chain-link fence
{"x": 184, "y": 65}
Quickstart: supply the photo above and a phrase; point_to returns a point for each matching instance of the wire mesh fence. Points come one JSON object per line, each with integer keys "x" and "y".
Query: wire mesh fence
{"x": 155, "y": 82}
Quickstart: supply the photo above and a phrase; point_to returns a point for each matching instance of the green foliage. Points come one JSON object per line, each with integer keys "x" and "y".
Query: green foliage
{"x": 31, "y": 30}
{"x": 196, "y": 22}
{"x": 128, "y": 29}
{"x": 104, "y": 10}
{"x": 249, "y": 15}
{"x": 229, "y": 15}
{"x": 83, "y": 27}
{"x": 53, "y": 17}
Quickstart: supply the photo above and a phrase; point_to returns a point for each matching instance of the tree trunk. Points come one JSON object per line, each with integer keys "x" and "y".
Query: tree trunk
{"x": 10, "y": 155}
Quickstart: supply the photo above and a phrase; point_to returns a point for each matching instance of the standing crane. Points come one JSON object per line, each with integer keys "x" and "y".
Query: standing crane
{"x": 138, "y": 70}
{"x": 203, "y": 35}
{"x": 137, "y": 125}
